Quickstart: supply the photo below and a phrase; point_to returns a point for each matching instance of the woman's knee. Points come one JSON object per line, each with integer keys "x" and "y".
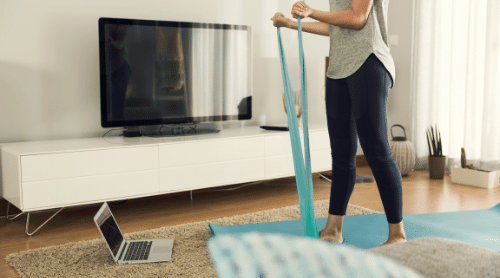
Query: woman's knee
{"x": 344, "y": 163}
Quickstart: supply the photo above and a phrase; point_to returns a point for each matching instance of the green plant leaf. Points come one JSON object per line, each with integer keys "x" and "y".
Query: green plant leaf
{"x": 434, "y": 146}
{"x": 440, "y": 146}
{"x": 428, "y": 142}
{"x": 438, "y": 153}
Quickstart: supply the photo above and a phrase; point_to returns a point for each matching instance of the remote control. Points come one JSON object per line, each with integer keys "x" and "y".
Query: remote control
{"x": 280, "y": 128}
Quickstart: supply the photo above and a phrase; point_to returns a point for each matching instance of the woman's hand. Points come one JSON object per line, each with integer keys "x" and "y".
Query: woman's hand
{"x": 279, "y": 20}
{"x": 301, "y": 10}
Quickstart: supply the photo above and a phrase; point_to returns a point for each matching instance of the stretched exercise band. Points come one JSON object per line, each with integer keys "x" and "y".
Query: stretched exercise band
{"x": 303, "y": 174}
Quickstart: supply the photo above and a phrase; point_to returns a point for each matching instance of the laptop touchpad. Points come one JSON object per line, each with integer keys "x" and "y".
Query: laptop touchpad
{"x": 160, "y": 249}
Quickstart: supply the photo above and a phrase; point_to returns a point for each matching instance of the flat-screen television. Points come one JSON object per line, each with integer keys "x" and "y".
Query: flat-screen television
{"x": 167, "y": 72}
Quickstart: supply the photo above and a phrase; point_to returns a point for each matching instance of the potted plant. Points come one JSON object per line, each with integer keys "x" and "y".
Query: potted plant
{"x": 437, "y": 161}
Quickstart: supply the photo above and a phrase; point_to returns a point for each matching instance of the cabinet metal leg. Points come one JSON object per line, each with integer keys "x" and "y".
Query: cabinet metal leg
{"x": 324, "y": 177}
{"x": 7, "y": 214}
{"x": 191, "y": 193}
{"x": 28, "y": 220}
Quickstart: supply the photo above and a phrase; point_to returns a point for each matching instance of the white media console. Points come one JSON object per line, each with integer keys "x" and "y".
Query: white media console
{"x": 43, "y": 175}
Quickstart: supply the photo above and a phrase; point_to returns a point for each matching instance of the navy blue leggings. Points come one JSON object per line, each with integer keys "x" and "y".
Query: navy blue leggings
{"x": 357, "y": 105}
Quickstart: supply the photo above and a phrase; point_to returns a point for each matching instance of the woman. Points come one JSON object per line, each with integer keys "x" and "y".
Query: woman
{"x": 360, "y": 73}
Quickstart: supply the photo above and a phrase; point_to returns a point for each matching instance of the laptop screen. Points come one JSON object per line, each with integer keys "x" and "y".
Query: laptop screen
{"x": 112, "y": 234}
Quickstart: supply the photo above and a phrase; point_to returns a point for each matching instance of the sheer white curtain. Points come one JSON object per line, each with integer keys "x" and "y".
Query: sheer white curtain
{"x": 456, "y": 79}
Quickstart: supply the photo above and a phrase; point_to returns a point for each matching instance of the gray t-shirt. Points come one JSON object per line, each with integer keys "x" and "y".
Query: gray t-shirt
{"x": 349, "y": 48}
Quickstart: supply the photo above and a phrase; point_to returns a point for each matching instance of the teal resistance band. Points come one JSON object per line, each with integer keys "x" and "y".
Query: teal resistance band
{"x": 303, "y": 174}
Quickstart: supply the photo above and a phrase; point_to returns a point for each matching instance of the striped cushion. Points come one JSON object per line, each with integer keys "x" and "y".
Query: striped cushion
{"x": 274, "y": 255}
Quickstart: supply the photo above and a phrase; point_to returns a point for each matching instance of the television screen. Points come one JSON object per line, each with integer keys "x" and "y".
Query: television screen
{"x": 164, "y": 72}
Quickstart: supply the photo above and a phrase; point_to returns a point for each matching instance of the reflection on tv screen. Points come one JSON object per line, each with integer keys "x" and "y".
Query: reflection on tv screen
{"x": 196, "y": 72}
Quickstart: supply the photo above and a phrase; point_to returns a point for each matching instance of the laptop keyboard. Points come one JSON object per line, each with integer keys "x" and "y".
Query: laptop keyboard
{"x": 138, "y": 251}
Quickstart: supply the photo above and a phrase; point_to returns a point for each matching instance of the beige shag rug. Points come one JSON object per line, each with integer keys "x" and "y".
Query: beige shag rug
{"x": 190, "y": 257}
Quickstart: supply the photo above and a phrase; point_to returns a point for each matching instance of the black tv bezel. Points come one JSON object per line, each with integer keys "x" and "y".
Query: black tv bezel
{"x": 105, "y": 123}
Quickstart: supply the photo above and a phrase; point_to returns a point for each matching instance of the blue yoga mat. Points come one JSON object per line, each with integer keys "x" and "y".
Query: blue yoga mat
{"x": 477, "y": 227}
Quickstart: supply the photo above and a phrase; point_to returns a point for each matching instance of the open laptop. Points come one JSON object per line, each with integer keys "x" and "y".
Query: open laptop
{"x": 130, "y": 251}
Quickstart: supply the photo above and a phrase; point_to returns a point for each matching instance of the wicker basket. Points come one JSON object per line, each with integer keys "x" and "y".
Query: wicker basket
{"x": 403, "y": 152}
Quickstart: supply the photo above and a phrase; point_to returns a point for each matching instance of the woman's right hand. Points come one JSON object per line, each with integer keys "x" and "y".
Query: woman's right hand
{"x": 279, "y": 20}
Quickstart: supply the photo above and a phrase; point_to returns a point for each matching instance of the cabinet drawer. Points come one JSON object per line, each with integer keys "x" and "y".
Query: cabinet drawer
{"x": 202, "y": 152}
{"x": 64, "y": 192}
{"x": 282, "y": 165}
{"x": 10, "y": 186}
{"x": 210, "y": 175}
{"x": 280, "y": 144}
{"x": 87, "y": 163}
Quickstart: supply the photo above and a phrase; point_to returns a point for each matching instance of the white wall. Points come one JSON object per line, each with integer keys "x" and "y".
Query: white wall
{"x": 49, "y": 63}
{"x": 400, "y": 24}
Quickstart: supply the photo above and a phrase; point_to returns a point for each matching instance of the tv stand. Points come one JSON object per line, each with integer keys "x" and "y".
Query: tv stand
{"x": 46, "y": 175}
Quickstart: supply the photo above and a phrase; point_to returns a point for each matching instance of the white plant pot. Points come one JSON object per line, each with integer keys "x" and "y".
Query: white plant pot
{"x": 475, "y": 177}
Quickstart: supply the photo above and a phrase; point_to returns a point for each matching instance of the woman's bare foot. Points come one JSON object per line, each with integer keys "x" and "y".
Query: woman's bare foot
{"x": 333, "y": 229}
{"x": 394, "y": 240}
{"x": 330, "y": 235}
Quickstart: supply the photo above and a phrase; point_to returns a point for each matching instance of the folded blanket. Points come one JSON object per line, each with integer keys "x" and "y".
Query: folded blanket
{"x": 438, "y": 257}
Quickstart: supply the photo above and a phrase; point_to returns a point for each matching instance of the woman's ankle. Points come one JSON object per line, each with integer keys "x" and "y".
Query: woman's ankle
{"x": 397, "y": 231}
{"x": 334, "y": 223}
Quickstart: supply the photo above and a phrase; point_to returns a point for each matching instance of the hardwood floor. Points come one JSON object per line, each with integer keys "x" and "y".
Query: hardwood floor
{"x": 420, "y": 194}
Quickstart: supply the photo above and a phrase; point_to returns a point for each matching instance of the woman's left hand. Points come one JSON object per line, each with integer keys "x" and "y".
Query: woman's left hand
{"x": 301, "y": 10}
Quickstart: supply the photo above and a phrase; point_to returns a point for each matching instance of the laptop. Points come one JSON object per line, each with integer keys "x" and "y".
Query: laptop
{"x": 130, "y": 251}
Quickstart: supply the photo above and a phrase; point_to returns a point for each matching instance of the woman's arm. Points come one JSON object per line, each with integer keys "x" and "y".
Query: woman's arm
{"x": 318, "y": 28}
{"x": 354, "y": 18}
